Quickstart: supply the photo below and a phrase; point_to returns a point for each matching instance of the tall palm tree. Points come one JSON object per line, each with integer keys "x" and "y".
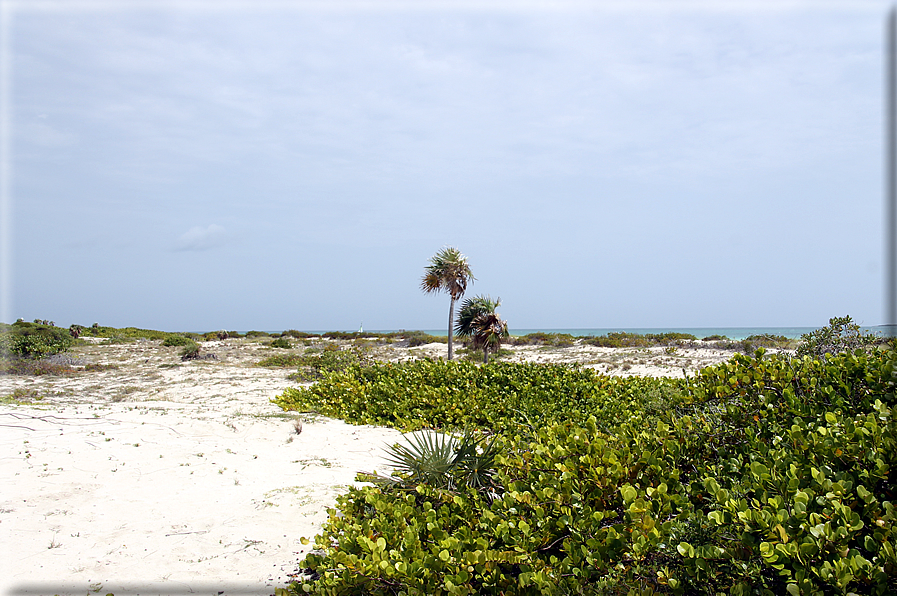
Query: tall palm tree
{"x": 448, "y": 272}
{"x": 478, "y": 320}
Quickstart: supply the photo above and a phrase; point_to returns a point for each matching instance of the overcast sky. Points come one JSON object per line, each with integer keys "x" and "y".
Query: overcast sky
{"x": 185, "y": 166}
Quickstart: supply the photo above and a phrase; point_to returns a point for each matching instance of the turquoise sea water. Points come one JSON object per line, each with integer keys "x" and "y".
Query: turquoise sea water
{"x": 699, "y": 332}
{"x": 735, "y": 333}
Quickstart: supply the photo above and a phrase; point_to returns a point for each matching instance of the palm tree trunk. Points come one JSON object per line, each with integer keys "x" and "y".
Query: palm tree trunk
{"x": 485, "y": 355}
{"x": 451, "y": 324}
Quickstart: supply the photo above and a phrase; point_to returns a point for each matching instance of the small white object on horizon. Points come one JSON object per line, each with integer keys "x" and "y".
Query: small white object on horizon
{"x": 361, "y": 328}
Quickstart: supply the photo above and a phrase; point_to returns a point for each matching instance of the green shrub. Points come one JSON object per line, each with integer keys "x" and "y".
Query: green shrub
{"x": 316, "y": 364}
{"x": 669, "y": 338}
{"x": 254, "y": 334}
{"x": 623, "y": 339}
{"x": 762, "y": 475}
{"x": 841, "y": 335}
{"x": 439, "y": 394}
{"x": 35, "y": 340}
{"x": 125, "y": 332}
{"x": 177, "y": 340}
{"x": 281, "y": 342}
{"x": 190, "y": 351}
{"x": 557, "y": 340}
{"x": 619, "y": 339}
{"x": 297, "y": 334}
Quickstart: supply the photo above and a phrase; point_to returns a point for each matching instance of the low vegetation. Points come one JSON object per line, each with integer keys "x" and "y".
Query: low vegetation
{"x": 767, "y": 474}
{"x": 314, "y": 363}
{"x": 34, "y": 340}
{"x": 177, "y": 340}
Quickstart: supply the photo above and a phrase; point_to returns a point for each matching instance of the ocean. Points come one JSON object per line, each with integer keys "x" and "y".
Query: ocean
{"x": 734, "y": 333}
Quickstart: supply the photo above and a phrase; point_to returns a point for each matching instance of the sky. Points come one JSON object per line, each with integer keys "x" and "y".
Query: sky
{"x": 295, "y": 165}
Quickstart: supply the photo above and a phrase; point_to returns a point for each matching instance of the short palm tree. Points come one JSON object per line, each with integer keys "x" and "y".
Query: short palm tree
{"x": 448, "y": 272}
{"x": 478, "y": 320}
{"x": 442, "y": 461}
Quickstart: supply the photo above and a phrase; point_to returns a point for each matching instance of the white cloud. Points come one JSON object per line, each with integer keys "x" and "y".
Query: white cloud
{"x": 198, "y": 238}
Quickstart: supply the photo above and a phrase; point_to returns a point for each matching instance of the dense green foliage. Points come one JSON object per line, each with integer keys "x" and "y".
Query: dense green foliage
{"x": 177, "y": 340}
{"x": 34, "y": 340}
{"x": 281, "y": 342}
{"x": 499, "y": 396}
{"x": 123, "y": 332}
{"x": 763, "y": 475}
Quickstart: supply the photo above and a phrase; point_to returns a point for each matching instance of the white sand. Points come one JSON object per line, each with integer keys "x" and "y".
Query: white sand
{"x": 161, "y": 477}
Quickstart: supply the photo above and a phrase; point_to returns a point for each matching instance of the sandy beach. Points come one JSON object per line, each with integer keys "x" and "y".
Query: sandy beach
{"x": 168, "y": 477}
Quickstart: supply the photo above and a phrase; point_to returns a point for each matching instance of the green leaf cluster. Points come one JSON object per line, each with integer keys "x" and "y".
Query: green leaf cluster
{"x": 34, "y": 340}
{"x": 500, "y": 396}
{"x": 762, "y": 475}
{"x": 442, "y": 460}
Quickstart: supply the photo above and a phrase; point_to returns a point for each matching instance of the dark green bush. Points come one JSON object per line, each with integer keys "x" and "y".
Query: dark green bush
{"x": 35, "y": 340}
{"x": 177, "y": 340}
{"x": 619, "y": 339}
{"x": 253, "y": 334}
{"x": 297, "y": 334}
{"x": 281, "y": 342}
{"x": 125, "y": 332}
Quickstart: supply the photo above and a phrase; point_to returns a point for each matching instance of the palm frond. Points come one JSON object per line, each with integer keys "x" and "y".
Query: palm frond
{"x": 471, "y": 309}
{"x": 440, "y": 460}
{"x": 427, "y": 458}
{"x": 448, "y": 271}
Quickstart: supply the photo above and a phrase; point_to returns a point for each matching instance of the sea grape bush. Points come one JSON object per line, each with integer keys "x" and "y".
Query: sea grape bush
{"x": 35, "y": 340}
{"x": 440, "y": 394}
{"x": 762, "y": 475}
{"x": 841, "y": 335}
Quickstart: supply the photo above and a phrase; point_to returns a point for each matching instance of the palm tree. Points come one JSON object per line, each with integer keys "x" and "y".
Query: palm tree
{"x": 478, "y": 320}
{"x": 449, "y": 272}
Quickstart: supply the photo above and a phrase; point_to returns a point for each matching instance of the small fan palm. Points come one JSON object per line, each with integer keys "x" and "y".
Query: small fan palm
{"x": 478, "y": 320}
{"x": 448, "y": 272}
{"x": 443, "y": 461}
